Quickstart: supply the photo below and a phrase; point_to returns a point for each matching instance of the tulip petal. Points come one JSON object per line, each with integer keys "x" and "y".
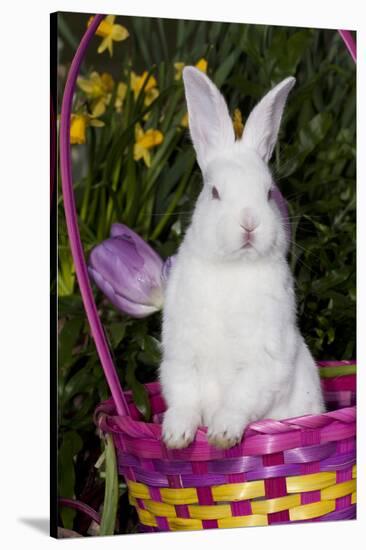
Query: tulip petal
{"x": 154, "y": 261}
{"x": 132, "y": 275}
{"x": 119, "y": 264}
{"x": 121, "y": 303}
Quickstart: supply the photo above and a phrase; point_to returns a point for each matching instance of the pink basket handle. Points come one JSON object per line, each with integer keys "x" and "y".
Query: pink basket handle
{"x": 73, "y": 229}
{"x": 350, "y": 43}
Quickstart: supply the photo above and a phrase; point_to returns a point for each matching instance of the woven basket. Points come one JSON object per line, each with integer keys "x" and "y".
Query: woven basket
{"x": 300, "y": 469}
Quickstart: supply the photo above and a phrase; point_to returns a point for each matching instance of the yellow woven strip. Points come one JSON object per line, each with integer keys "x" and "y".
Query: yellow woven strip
{"x": 354, "y": 498}
{"x": 238, "y": 491}
{"x": 231, "y": 492}
{"x": 354, "y": 471}
{"x": 169, "y": 496}
{"x": 338, "y": 490}
{"x": 275, "y": 504}
{"x": 313, "y": 510}
{"x": 179, "y": 496}
{"x": 146, "y": 518}
{"x": 310, "y": 482}
{"x": 243, "y": 521}
{"x": 209, "y": 512}
{"x": 184, "y": 524}
{"x": 138, "y": 490}
{"x": 160, "y": 508}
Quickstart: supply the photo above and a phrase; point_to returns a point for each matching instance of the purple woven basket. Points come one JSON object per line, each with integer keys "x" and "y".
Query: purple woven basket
{"x": 300, "y": 469}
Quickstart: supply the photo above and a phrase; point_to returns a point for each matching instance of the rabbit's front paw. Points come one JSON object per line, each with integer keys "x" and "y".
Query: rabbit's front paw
{"x": 226, "y": 429}
{"x": 179, "y": 428}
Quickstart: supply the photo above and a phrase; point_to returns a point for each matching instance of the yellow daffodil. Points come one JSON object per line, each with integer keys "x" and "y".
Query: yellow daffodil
{"x": 179, "y": 66}
{"x": 151, "y": 91}
{"x": 120, "y": 96}
{"x": 98, "y": 89}
{"x": 202, "y": 65}
{"x": 144, "y": 141}
{"x": 110, "y": 32}
{"x": 238, "y": 124}
{"x": 78, "y": 125}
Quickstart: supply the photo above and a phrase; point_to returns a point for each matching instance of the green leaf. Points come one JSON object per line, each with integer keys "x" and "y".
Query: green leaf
{"x": 69, "y": 335}
{"x": 139, "y": 392}
{"x": 111, "y": 494}
{"x": 70, "y": 446}
{"x": 116, "y": 332}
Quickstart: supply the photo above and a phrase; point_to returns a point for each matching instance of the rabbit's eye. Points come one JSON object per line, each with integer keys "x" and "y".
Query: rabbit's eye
{"x": 215, "y": 193}
{"x": 269, "y": 196}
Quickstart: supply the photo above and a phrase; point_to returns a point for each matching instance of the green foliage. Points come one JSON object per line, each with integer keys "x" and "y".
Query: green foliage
{"x": 314, "y": 165}
{"x": 108, "y": 522}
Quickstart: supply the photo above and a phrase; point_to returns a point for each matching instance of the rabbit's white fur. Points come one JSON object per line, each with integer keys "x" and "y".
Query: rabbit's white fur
{"x": 232, "y": 352}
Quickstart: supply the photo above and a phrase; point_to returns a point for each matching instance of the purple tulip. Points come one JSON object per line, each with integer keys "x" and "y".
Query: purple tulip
{"x": 128, "y": 271}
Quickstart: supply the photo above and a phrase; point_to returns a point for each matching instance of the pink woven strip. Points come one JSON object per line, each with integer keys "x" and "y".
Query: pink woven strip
{"x": 204, "y": 494}
{"x": 340, "y": 383}
{"x": 310, "y": 468}
{"x": 242, "y": 507}
{"x": 310, "y": 496}
{"x": 344, "y": 475}
{"x": 175, "y": 482}
{"x": 275, "y": 487}
{"x": 161, "y": 521}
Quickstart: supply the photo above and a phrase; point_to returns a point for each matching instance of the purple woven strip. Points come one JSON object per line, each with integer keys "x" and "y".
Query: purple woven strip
{"x": 309, "y": 454}
{"x": 245, "y": 464}
{"x": 159, "y": 479}
{"x": 72, "y": 224}
{"x": 346, "y": 513}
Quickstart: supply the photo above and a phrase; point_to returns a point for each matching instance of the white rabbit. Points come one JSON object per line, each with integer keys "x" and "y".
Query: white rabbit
{"x": 232, "y": 351}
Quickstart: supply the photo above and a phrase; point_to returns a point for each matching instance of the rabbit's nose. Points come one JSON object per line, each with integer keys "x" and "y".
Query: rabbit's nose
{"x": 249, "y": 220}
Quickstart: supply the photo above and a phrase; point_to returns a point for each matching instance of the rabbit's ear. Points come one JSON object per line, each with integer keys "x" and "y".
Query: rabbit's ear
{"x": 263, "y": 124}
{"x": 210, "y": 124}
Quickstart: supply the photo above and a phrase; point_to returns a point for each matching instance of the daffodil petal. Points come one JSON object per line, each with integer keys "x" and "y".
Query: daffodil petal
{"x": 98, "y": 108}
{"x": 110, "y": 19}
{"x": 96, "y": 123}
{"x": 147, "y": 158}
{"x": 85, "y": 85}
{"x": 119, "y": 33}
{"x": 137, "y": 152}
{"x": 103, "y": 45}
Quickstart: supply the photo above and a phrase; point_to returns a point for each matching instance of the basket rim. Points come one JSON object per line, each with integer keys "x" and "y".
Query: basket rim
{"x": 260, "y": 437}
